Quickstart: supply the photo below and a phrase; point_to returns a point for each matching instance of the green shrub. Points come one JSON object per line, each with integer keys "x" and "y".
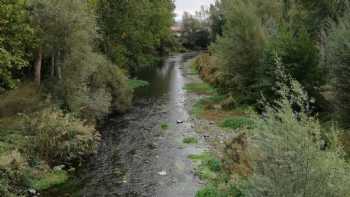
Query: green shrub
{"x": 237, "y": 123}
{"x": 214, "y": 165}
{"x": 208, "y": 191}
{"x": 57, "y": 137}
{"x": 288, "y": 160}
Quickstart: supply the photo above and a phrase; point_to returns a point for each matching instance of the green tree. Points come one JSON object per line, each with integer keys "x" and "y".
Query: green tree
{"x": 80, "y": 76}
{"x": 133, "y": 31}
{"x": 16, "y": 37}
{"x": 338, "y": 61}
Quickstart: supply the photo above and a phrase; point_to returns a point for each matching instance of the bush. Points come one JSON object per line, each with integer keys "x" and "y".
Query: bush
{"x": 60, "y": 138}
{"x": 285, "y": 148}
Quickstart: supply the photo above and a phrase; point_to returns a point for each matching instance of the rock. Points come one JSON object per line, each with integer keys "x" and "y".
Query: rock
{"x": 162, "y": 173}
{"x": 59, "y": 168}
{"x": 32, "y": 192}
{"x": 71, "y": 169}
{"x": 179, "y": 121}
{"x": 211, "y": 122}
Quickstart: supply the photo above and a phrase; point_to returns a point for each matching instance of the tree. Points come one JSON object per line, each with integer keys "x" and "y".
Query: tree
{"x": 133, "y": 31}
{"x": 16, "y": 37}
{"x": 85, "y": 80}
{"x": 195, "y": 33}
{"x": 338, "y": 61}
{"x": 239, "y": 50}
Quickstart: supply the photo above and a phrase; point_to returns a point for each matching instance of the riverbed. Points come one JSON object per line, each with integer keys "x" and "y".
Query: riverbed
{"x": 141, "y": 153}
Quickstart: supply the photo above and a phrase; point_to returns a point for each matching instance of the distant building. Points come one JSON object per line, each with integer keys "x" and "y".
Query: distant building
{"x": 177, "y": 28}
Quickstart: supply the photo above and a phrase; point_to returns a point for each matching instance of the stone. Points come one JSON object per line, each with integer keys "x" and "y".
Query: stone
{"x": 59, "y": 168}
{"x": 162, "y": 173}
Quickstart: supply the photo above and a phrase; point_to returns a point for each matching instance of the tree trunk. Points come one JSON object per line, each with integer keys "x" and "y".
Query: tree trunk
{"x": 37, "y": 67}
{"x": 53, "y": 66}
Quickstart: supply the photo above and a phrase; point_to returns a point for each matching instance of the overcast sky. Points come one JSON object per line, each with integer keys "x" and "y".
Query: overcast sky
{"x": 190, "y": 6}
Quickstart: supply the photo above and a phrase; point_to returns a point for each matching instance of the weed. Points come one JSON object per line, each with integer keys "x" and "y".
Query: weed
{"x": 190, "y": 140}
{"x": 199, "y": 88}
{"x": 134, "y": 83}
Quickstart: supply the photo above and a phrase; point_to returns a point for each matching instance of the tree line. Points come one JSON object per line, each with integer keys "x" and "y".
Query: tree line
{"x": 64, "y": 66}
{"x": 289, "y": 59}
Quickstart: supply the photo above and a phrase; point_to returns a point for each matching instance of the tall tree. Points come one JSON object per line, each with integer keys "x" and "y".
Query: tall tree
{"x": 133, "y": 31}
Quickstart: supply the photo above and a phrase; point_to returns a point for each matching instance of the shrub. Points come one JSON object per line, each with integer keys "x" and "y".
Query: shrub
{"x": 208, "y": 191}
{"x": 57, "y": 137}
{"x": 285, "y": 148}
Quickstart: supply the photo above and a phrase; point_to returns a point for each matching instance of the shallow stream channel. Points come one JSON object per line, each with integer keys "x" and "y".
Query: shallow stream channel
{"x": 142, "y": 153}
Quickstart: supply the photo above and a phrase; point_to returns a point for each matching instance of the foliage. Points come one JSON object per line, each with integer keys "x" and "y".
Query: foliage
{"x": 134, "y": 83}
{"x": 338, "y": 60}
{"x": 86, "y": 81}
{"x": 60, "y": 138}
{"x": 239, "y": 50}
{"x": 16, "y": 37}
{"x": 286, "y": 151}
{"x": 195, "y": 33}
{"x": 133, "y": 32}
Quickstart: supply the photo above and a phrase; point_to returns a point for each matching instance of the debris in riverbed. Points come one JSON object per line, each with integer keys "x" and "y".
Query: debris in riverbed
{"x": 179, "y": 121}
{"x": 162, "y": 173}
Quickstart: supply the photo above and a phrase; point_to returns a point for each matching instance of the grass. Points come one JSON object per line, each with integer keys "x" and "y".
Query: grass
{"x": 206, "y": 104}
{"x": 190, "y": 140}
{"x": 134, "y": 83}
{"x": 199, "y": 88}
{"x": 207, "y": 166}
{"x": 237, "y": 122}
{"x": 49, "y": 180}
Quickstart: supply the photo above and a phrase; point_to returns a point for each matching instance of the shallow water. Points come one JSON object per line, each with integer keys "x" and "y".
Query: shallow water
{"x": 137, "y": 157}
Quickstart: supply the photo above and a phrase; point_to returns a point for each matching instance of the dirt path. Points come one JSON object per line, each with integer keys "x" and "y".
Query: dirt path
{"x": 140, "y": 158}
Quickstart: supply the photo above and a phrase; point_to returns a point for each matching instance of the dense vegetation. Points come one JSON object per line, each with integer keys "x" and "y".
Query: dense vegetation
{"x": 64, "y": 65}
{"x": 289, "y": 60}
{"x": 280, "y": 66}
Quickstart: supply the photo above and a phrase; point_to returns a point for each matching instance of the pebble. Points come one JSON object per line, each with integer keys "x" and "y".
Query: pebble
{"x": 162, "y": 173}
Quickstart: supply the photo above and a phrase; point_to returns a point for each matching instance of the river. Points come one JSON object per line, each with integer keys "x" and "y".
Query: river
{"x": 138, "y": 158}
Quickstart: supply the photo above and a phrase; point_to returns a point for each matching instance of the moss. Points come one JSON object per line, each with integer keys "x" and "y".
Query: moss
{"x": 49, "y": 180}
{"x": 199, "y": 88}
{"x": 134, "y": 83}
{"x": 190, "y": 140}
